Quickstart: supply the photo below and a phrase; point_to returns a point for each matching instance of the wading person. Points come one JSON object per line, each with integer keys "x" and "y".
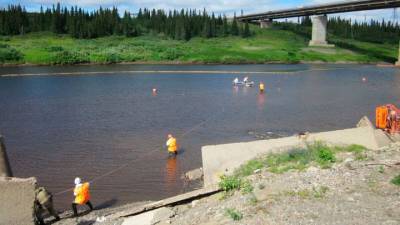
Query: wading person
{"x": 82, "y": 195}
{"x": 172, "y": 145}
{"x": 44, "y": 202}
{"x": 261, "y": 87}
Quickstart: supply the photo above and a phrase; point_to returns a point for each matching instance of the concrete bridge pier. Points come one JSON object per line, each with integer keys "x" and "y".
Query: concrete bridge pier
{"x": 5, "y": 168}
{"x": 398, "y": 59}
{"x": 319, "y": 31}
{"x": 266, "y": 23}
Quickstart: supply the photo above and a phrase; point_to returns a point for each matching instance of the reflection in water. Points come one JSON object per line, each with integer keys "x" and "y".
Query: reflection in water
{"x": 261, "y": 101}
{"x": 171, "y": 173}
{"x": 235, "y": 89}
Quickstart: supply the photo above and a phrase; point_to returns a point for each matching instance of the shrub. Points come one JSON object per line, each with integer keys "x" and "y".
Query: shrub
{"x": 9, "y": 54}
{"x": 357, "y": 150}
{"x": 113, "y": 58}
{"x": 246, "y": 187}
{"x": 55, "y": 49}
{"x": 67, "y": 57}
{"x": 170, "y": 54}
{"x": 234, "y": 214}
{"x": 396, "y": 180}
{"x": 324, "y": 154}
{"x": 320, "y": 192}
{"x": 381, "y": 169}
{"x": 248, "y": 168}
{"x": 229, "y": 183}
{"x": 294, "y": 159}
{"x": 4, "y": 45}
{"x": 354, "y": 148}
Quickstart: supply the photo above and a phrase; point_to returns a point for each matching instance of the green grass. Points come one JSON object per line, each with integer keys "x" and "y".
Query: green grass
{"x": 267, "y": 45}
{"x": 229, "y": 183}
{"x": 357, "y": 150}
{"x": 315, "y": 192}
{"x": 317, "y": 153}
{"x": 396, "y": 180}
{"x": 234, "y": 182}
{"x": 234, "y": 214}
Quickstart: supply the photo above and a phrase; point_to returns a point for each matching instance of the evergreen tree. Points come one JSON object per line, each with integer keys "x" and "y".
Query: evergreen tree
{"x": 246, "y": 33}
{"x": 235, "y": 27}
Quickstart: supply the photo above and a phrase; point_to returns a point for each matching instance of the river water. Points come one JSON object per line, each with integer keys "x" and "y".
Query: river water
{"x": 103, "y": 123}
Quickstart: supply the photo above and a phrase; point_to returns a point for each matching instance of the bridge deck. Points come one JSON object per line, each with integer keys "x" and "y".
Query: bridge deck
{"x": 339, "y": 7}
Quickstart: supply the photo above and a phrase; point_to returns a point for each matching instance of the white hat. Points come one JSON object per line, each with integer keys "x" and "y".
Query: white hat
{"x": 77, "y": 181}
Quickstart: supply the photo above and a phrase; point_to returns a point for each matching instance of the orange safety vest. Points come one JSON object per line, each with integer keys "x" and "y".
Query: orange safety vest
{"x": 172, "y": 145}
{"x": 82, "y": 194}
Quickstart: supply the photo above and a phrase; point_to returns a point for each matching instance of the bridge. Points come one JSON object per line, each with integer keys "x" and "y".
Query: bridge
{"x": 319, "y": 16}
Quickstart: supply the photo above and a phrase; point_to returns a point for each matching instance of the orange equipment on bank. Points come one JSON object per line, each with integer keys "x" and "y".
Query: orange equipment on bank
{"x": 388, "y": 118}
{"x": 82, "y": 194}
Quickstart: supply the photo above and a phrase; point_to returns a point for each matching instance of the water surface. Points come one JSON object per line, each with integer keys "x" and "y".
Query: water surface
{"x": 90, "y": 123}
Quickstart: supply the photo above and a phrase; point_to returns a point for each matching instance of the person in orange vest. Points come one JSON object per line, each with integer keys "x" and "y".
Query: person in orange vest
{"x": 172, "y": 145}
{"x": 261, "y": 87}
{"x": 82, "y": 195}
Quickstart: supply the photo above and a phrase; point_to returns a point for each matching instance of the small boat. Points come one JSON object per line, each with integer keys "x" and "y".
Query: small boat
{"x": 249, "y": 83}
{"x": 239, "y": 83}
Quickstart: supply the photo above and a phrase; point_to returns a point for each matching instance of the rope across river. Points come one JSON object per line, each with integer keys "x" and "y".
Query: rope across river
{"x": 190, "y": 130}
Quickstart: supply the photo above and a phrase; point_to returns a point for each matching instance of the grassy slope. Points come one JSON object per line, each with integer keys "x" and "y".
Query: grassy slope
{"x": 265, "y": 46}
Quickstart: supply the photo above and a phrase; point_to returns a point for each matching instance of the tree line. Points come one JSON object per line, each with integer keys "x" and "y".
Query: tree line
{"x": 79, "y": 23}
{"x": 370, "y": 31}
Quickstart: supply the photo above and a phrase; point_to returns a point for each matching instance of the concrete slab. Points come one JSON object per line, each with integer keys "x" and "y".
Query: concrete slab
{"x": 224, "y": 159}
{"x": 17, "y": 197}
{"x": 167, "y": 202}
{"x": 149, "y": 218}
{"x": 141, "y": 219}
{"x": 162, "y": 214}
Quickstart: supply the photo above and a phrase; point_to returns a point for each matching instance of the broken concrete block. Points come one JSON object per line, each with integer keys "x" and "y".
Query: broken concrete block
{"x": 162, "y": 214}
{"x": 194, "y": 174}
{"x": 17, "y": 198}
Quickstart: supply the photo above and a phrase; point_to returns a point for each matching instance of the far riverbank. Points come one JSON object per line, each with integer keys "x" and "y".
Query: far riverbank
{"x": 264, "y": 47}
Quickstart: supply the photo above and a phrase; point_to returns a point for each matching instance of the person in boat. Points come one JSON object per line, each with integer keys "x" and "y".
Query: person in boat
{"x": 236, "y": 81}
{"x": 82, "y": 196}
{"x": 246, "y": 79}
{"x": 172, "y": 145}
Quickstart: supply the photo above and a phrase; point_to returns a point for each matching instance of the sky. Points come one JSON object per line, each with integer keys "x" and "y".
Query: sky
{"x": 227, "y": 7}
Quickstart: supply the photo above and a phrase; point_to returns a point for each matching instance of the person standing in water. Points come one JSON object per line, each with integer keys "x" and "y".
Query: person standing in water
{"x": 236, "y": 81}
{"x": 82, "y": 196}
{"x": 172, "y": 145}
{"x": 261, "y": 87}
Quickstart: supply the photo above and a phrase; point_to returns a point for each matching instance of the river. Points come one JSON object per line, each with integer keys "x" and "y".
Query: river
{"x": 103, "y": 123}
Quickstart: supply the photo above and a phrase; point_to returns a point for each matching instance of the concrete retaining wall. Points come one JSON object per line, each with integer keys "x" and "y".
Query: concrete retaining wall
{"x": 17, "y": 201}
{"x": 224, "y": 159}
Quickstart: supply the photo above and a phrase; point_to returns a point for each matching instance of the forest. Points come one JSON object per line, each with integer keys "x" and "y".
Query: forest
{"x": 179, "y": 25}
